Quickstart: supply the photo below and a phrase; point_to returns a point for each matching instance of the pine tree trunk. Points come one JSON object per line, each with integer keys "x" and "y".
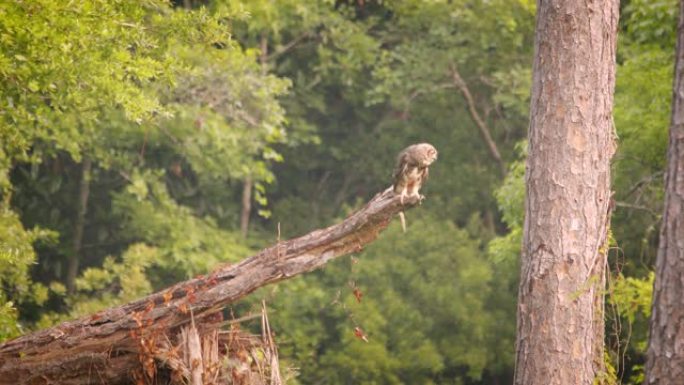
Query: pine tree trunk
{"x": 665, "y": 355}
{"x": 571, "y": 142}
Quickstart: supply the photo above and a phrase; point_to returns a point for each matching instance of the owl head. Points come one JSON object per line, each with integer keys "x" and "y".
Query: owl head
{"x": 428, "y": 153}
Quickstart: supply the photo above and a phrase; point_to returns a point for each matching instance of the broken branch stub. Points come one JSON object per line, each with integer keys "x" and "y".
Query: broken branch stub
{"x": 107, "y": 347}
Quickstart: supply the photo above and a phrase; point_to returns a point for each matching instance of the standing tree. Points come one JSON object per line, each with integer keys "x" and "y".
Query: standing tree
{"x": 571, "y": 142}
{"x": 665, "y": 356}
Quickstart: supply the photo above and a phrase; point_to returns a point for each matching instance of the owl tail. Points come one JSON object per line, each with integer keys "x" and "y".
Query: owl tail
{"x": 402, "y": 217}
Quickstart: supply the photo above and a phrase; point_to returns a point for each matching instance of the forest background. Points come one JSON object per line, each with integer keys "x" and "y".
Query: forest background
{"x": 146, "y": 142}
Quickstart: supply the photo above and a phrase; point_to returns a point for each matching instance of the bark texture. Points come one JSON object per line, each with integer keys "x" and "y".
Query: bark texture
{"x": 665, "y": 355}
{"x": 107, "y": 347}
{"x": 567, "y": 213}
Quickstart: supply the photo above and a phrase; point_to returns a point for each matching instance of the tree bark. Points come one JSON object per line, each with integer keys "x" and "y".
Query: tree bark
{"x": 665, "y": 355}
{"x": 567, "y": 208}
{"x": 107, "y": 346}
{"x": 79, "y": 224}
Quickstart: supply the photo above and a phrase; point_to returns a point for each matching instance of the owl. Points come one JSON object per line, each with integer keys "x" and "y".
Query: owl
{"x": 411, "y": 170}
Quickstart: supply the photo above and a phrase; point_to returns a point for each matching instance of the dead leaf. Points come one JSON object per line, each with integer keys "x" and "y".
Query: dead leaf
{"x": 360, "y": 334}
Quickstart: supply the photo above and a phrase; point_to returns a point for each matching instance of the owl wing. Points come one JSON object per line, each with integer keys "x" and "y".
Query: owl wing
{"x": 399, "y": 174}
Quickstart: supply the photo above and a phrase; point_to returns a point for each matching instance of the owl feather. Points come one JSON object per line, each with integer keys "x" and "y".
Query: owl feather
{"x": 411, "y": 171}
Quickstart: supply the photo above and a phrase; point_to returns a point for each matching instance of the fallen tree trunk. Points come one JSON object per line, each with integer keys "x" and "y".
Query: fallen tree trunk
{"x": 133, "y": 340}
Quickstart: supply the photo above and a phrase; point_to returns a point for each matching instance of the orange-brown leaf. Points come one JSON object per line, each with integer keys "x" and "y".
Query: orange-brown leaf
{"x": 360, "y": 334}
{"x": 358, "y": 294}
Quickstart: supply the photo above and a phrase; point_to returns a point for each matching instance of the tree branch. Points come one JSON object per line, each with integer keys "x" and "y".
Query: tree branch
{"x": 481, "y": 125}
{"x": 628, "y": 205}
{"x": 291, "y": 44}
{"x": 107, "y": 345}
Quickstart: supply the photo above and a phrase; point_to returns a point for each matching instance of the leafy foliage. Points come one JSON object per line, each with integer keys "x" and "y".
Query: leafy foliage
{"x": 121, "y": 84}
{"x": 16, "y": 257}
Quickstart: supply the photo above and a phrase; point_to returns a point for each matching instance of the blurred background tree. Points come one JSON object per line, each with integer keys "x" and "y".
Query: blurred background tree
{"x": 130, "y": 131}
